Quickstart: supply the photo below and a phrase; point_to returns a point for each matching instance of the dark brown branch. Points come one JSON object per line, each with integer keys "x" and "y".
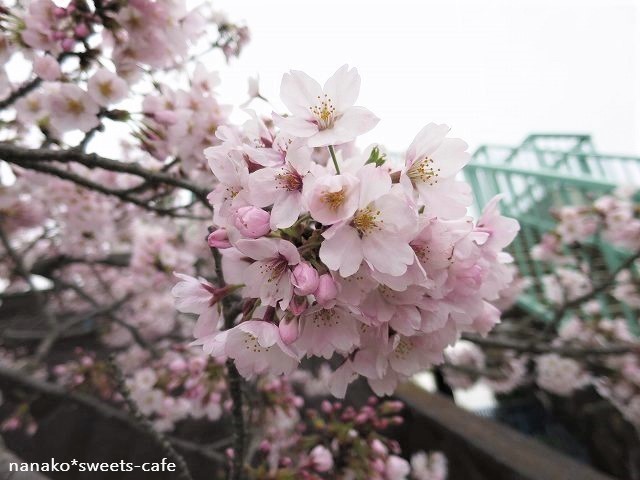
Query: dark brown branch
{"x": 602, "y": 287}
{"x": 20, "y": 92}
{"x": 20, "y": 380}
{"x": 135, "y": 334}
{"x": 91, "y": 185}
{"x": 234, "y": 381}
{"x": 527, "y": 347}
{"x": 19, "y": 155}
{"x": 46, "y": 266}
{"x": 161, "y": 441}
{"x": 26, "y": 276}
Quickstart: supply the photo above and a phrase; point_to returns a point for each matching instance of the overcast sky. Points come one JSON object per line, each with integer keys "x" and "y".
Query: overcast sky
{"x": 495, "y": 70}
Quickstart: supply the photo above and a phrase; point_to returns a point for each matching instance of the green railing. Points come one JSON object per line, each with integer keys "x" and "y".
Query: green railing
{"x": 545, "y": 172}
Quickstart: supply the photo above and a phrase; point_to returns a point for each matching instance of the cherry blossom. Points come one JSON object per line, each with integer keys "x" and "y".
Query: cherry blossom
{"x": 324, "y": 115}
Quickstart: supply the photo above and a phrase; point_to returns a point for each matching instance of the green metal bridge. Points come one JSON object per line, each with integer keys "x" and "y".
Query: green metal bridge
{"x": 547, "y": 171}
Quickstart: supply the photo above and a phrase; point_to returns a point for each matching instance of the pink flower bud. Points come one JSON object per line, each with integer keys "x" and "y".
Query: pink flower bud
{"x": 327, "y": 290}
{"x": 12, "y": 423}
{"x": 82, "y": 30}
{"x": 298, "y": 305}
{"x": 265, "y": 446}
{"x": 378, "y": 447}
{"x": 321, "y": 459}
{"x": 219, "y": 239}
{"x": 305, "y": 279}
{"x": 178, "y": 365}
{"x": 252, "y": 222}
{"x": 59, "y": 12}
{"x": 289, "y": 330}
{"x": 67, "y": 44}
{"x": 378, "y": 465}
{"x": 397, "y": 467}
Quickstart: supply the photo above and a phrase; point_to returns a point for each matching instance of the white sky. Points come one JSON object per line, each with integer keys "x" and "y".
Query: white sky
{"x": 495, "y": 70}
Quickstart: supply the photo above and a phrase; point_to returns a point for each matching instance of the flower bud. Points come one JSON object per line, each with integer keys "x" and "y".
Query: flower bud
{"x": 252, "y": 222}
{"x": 305, "y": 279}
{"x": 321, "y": 459}
{"x": 219, "y": 239}
{"x": 289, "y": 330}
{"x": 298, "y": 305}
{"x": 327, "y": 290}
{"x": 82, "y": 30}
{"x": 397, "y": 467}
{"x": 378, "y": 447}
{"x": 265, "y": 446}
{"x": 67, "y": 44}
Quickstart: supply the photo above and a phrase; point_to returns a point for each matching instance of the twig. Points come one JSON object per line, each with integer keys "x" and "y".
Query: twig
{"x": 476, "y": 372}
{"x": 18, "y": 378}
{"x": 135, "y": 334}
{"x": 20, "y": 92}
{"x": 602, "y": 287}
{"x": 234, "y": 381}
{"x": 24, "y": 273}
{"x": 160, "y": 440}
{"x": 58, "y": 331}
{"x": 91, "y": 185}
{"x": 46, "y": 266}
{"x": 15, "y": 154}
{"x": 526, "y": 347}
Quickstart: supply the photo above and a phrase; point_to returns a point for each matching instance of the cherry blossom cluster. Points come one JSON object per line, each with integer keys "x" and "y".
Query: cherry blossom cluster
{"x": 333, "y": 442}
{"x": 53, "y": 225}
{"x": 92, "y": 62}
{"x": 567, "y": 253}
{"x": 502, "y": 370}
{"x": 340, "y": 252}
{"x": 615, "y": 377}
{"x": 341, "y": 442}
{"x": 614, "y": 219}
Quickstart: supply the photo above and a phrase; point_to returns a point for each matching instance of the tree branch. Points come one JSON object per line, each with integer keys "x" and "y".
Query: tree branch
{"x": 526, "y": 347}
{"x": 91, "y": 185}
{"x": 234, "y": 381}
{"x": 26, "y": 382}
{"x": 20, "y": 92}
{"x": 602, "y": 287}
{"x": 20, "y": 155}
{"x": 160, "y": 440}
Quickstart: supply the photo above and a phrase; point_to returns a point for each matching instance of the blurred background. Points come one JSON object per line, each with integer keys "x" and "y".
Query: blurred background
{"x": 494, "y": 70}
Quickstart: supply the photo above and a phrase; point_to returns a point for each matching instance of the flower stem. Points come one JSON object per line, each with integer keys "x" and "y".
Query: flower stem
{"x": 335, "y": 160}
{"x": 234, "y": 381}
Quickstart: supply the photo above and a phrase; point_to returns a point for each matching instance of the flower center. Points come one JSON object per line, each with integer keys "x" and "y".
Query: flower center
{"x": 289, "y": 180}
{"x": 33, "y": 105}
{"x": 334, "y": 200}
{"x": 423, "y": 171}
{"x": 366, "y": 220}
{"x": 422, "y": 251}
{"x": 106, "y": 90}
{"x": 251, "y": 344}
{"x": 324, "y": 112}
{"x": 325, "y": 318}
{"x": 74, "y": 106}
{"x": 274, "y": 269}
{"x": 403, "y": 349}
